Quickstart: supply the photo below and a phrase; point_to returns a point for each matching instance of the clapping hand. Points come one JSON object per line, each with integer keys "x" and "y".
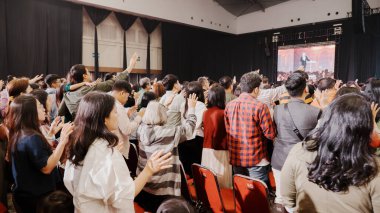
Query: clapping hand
{"x": 56, "y": 125}
{"x": 67, "y": 129}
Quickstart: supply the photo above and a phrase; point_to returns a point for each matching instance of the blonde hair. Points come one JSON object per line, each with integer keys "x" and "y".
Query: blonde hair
{"x": 155, "y": 114}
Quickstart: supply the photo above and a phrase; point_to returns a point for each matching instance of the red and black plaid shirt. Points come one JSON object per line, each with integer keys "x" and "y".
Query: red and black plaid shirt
{"x": 249, "y": 126}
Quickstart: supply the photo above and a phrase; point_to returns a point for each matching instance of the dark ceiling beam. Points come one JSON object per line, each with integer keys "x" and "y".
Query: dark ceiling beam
{"x": 245, "y": 10}
{"x": 258, "y": 3}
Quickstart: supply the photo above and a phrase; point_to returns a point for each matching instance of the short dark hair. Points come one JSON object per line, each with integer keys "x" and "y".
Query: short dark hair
{"x": 169, "y": 81}
{"x": 347, "y": 90}
{"x": 265, "y": 79}
{"x": 146, "y": 98}
{"x": 225, "y": 82}
{"x": 295, "y": 84}
{"x": 304, "y": 74}
{"x": 76, "y": 73}
{"x": 122, "y": 85}
{"x": 326, "y": 83}
{"x": 51, "y": 78}
{"x": 56, "y": 202}
{"x": 108, "y": 76}
{"x": 249, "y": 81}
{"x": 216, "y": 97}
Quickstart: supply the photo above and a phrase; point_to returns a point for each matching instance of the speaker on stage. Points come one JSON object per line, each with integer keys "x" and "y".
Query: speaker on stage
{"x": 358, "y": 17}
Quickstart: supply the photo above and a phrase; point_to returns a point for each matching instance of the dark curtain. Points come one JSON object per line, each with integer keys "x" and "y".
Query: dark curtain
{"x": 190, "y": 52}
{"x": 150, "y": 26}
{"x": 125, "y": 21}
{"x": 3, "y": 41}
{"x": 360, "y": 53}
{"x": 39, "y": 36}
{"x": 97, "y": 16}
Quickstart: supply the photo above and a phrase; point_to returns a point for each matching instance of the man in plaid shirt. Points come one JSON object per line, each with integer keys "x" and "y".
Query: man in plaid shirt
{"x": 249, "y": 126}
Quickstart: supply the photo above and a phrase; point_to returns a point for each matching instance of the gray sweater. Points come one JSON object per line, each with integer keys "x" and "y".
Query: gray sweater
{"x": 153, "y": 138}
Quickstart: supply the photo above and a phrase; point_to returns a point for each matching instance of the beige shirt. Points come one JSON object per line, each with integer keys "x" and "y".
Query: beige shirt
{"x": 102, "y": 183}
{"x": 126, "y": 127}
{"x": 304, "y": 196}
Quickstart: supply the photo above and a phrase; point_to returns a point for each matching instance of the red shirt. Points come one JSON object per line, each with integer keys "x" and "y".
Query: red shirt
{"x": 215, "y": 136}
{"x": 248, "y": 125}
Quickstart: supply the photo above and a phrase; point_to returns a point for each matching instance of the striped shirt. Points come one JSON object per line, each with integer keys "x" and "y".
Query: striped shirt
{"x": 153, "y": 138}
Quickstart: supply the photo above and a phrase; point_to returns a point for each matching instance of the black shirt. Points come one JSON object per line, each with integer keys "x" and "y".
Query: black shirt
{"x": 29, "y": 157}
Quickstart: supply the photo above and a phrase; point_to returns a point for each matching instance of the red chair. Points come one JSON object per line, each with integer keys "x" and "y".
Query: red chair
{"x": 208, "y": 192}
{"x": 251, "y": 195}
{"x": 187, "y": 187}
{"x": 3, "y": 209}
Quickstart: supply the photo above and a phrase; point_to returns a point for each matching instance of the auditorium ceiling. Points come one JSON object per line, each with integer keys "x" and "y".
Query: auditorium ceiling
{"x": 242, "y": 7}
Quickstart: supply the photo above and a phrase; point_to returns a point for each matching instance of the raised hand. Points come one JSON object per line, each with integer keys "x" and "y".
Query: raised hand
{"x": 158, "y": 162}
{"x": 131, "y": 110}
{"x": 192, "y": 100}
{"x": 56, "y": 125}
{"x": 67, "y": 129}
{"x": 374, "y": 109}
{"x": 36, "y": 78}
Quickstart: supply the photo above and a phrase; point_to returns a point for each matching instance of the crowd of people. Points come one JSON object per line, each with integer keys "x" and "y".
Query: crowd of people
{"x": 64, "y": 142}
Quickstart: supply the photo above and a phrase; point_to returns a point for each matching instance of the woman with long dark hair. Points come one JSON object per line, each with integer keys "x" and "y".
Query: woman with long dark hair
{"x": 215, "y": 151}
{"x": 335, "y": 168}
{"x": 33, "y": 162}
{"x": 191, "y": 151}
{"x": 96, "y": 174}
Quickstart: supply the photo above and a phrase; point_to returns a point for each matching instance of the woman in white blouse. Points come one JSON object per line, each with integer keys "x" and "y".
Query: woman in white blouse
{"x": 96, "y": 174}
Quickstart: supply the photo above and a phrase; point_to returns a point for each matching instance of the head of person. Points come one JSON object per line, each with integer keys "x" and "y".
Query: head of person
{"x": 24, "y": 116}
{"x": 53, "y": 81}
{"x": 44, "y": 99}
{"x": 216, "y": 97}
{"x": 194, "y": 87}
{"x": 78, "y": 74}
{"x": 18, "y": 86}
{"x": 204, "y": 82}
{"x": 146, "y": 98}
{"x": 96, "y": 118}
{"x": 342, "y": 143}
{"x": 226, "y": 82}
{"x": 158, "y": 89}
{"x": 250, "y": 83}
{"x": 175, "y": 205}
{"x": 264, "y": 81}
{"x": 304, "y": 74}
{"x": 296, "y": 85}
{"x": 373, "y": 90}
{"x": 56, "y": 202}
{"x": 155, "y": 114}
{"x": 145, "y": 84}
{"x": 326, "y": 84}
{"x": 347, "y": 90}
{"x": 171, "y": 82}
{"x": 109, "y": 76}
{"x": 121, "y": 91}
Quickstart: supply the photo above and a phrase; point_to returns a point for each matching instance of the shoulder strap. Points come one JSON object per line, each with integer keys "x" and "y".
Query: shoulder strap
{"x": 295, "y": 129}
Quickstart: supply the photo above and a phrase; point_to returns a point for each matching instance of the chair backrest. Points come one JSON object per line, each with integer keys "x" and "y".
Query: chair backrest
{"x": 132, "y": 160}
{"x": 207, "y": 188}
{"x": 251, "y": 195}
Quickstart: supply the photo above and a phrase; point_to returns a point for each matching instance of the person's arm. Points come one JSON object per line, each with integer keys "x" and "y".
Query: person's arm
{"x": 106, "y": 86}
{"x": 54, "y": 158}
{"x": 187, "y": 129}
{"x": 266, "y": 123}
